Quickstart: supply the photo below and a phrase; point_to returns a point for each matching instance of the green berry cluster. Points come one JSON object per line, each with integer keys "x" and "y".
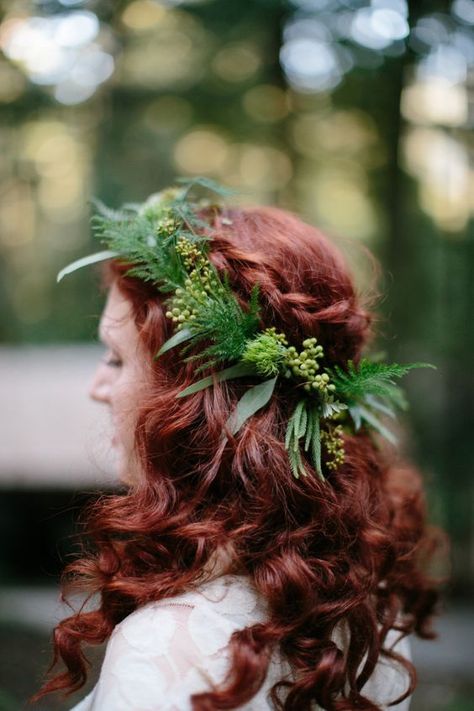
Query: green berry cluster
{"x": 192, "y": 256}
{"x": 305, "y": 365}
{"x": 334, "y": 445}
{"x": 167, "y": 224}
{"x": 199, "y": 283}
{"x": 276, "y": 335}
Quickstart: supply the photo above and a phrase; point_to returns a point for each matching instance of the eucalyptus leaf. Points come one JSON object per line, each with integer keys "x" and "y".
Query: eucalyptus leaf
{"x": 85, "y": 261}
{"x": 179, "y": 337}
{"x": 253, "y": 400}
{"x": 235, "y": 371}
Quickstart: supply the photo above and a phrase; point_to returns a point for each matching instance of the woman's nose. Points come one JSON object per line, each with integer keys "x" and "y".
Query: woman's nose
{"x": 100, "y": 386}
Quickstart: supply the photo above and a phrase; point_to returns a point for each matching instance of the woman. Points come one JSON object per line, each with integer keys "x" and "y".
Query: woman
{"x": 267, "y": 551}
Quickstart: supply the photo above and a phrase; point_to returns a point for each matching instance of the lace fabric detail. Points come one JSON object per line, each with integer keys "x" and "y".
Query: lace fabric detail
{"x": 165, "y": 651}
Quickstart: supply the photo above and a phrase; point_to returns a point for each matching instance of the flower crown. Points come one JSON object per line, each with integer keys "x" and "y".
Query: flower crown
{"x": 166, "y": 242}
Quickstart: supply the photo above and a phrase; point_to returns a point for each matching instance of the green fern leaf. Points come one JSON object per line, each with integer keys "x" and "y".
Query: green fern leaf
{"x": 370, "y": 378}
{"x": 309, "y": 428}
{"x": 316, "y": 447}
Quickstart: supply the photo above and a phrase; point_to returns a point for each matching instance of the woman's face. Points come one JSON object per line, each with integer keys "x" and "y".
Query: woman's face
{"x": 120, "y": 381}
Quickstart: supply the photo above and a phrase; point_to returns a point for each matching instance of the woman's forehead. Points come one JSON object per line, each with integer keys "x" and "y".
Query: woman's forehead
{"x": 116, "y": 319}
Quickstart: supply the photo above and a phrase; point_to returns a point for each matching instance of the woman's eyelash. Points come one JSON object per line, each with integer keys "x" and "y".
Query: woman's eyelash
{"x": 112, "y": 361}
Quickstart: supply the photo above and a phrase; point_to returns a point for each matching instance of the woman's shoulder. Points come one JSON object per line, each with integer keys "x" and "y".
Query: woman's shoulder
{"x": 174, "y": 647}
{"x": 196, "y": 624}
{"x": 231, "y": 597}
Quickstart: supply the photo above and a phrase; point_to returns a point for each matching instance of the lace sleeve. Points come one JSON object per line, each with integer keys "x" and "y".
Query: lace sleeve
{"x": 164, "y": 652}
{"x": 152, "y": 662}
{"x": 390, "y": 679}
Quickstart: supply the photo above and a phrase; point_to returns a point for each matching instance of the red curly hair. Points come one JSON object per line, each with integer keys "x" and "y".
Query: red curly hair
{"x": 353, "y": 550}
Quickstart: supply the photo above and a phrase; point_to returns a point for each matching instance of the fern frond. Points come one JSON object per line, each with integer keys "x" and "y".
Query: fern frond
{"x": 316, "y": 445}
{"x": 371, "y": 378}
{"x": 221, "y": 319}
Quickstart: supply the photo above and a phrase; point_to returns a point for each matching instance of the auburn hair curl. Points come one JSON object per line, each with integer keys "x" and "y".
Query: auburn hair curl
{"x": 354, "y": 550}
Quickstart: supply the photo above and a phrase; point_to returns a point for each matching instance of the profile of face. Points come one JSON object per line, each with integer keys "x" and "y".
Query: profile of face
{"x": 120, "y": 380}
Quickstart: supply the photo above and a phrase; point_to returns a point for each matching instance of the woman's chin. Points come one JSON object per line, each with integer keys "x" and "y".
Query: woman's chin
{"x": 126, "y": 470}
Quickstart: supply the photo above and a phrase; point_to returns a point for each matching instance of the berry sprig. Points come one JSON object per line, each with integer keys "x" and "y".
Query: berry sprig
{"x": 183, "y": 307}
{"x": 334, "y": 444}
{"x": 305, "y": 365}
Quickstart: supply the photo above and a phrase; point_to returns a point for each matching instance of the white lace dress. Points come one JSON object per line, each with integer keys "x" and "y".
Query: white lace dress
{"x": 165, "y": 651}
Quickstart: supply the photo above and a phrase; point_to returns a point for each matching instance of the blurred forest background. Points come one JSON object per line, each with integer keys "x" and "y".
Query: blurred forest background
{"x": 355, "y": 113}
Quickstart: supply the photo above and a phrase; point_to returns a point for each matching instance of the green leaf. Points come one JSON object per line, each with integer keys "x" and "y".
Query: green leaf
{"x": 312, "y": 414}
{"x": 297, "y": 415}
{"x": 329, "y": 408}
{"x": 377, "y": 425}
{"x": 235, "y": 371}
{"x": 253, "y": 400}
{"x": 316, "y": 447}
{"x": 179, "y": 337}
{"x": 289, "y": 433}
{"x": 296, "y": 463}
{"x": 301, "y": 431}
{"x": 85, "y": 261}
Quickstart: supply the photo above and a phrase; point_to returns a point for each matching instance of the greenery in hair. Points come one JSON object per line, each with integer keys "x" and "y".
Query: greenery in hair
{"x": 165, "y": 241}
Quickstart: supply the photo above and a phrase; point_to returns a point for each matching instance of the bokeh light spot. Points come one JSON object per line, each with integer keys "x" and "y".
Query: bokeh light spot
{"x": 12, "y": 83}
{"x": 464, "y": 9}
{"x": 236, "y": 62}
{"x": 441, "y": 164}
{"x": 435, "y": 100}
{"x": 266, "y": 103}
{"x": 168, "y": 115}
{"x": 201, "y": 151}
{"x": 142, "y": 15}
{"x": 310, "y": 64}
{"x": 262, "y": 167}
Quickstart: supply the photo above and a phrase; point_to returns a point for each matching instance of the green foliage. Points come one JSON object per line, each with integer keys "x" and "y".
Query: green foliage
{"x": 234, "y": 371}
{"x": 141, "y": 243}
{"x": 361, "y": 414}
{"x": 85, "y": 262}
{"x": 175, "y": 340}
{"x": 304, "y": 423}
{"x": 267, "y": 352}
{"x": 221, "y": 319}
{"x": 370, "y": 378}
{"x": 331, "y": 408}
{"x": 251, "y": 401}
